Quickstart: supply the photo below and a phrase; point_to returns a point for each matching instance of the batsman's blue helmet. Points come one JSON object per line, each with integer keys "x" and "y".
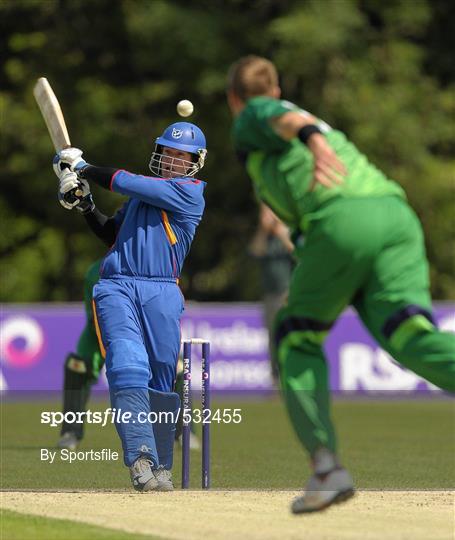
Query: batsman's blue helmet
{"x": 182, "y": 136}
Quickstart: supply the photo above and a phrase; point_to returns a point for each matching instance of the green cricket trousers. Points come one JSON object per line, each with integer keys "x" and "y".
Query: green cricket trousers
{"x": 368, "y": 253}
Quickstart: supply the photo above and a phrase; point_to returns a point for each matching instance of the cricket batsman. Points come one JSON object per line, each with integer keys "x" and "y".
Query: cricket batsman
{"x": 137, "y": 303}
{"x": 363, "y": 246}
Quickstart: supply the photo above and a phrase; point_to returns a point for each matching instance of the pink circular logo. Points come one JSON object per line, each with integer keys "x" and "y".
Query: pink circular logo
{"x": 22, "y": 341}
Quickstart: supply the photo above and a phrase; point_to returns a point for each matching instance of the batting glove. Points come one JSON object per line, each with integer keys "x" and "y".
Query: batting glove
{"x": 69, "y": 158}
{"x": 72, "y": 191}
{"x": 86, "y": 204}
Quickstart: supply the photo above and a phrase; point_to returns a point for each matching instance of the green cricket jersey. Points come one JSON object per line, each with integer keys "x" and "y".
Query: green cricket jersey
{"x": 87, "y": 345}
{"x": 282, "y": 171}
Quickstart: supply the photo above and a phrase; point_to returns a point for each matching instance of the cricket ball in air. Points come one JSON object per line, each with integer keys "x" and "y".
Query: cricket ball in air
{"x": 185, "y": 108}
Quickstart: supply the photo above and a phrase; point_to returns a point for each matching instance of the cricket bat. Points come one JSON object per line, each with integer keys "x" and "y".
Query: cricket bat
{"x": 53, "y": 116}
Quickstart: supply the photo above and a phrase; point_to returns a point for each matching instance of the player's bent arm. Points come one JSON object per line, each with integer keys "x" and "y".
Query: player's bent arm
{"x": 282, "y": 232}
{"x": 289, "y": 124}
{"x": 302, "y": 125}
{"x": 182, "y": 195}
{"x": 171, "y": 195}
{"x": 328, "y": 169}
{"x": 102, "y": 176}
{"x": 103, "y": 226}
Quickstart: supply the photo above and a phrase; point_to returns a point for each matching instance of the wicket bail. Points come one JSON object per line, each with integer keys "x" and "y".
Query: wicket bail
{"x": 205, "y": 405}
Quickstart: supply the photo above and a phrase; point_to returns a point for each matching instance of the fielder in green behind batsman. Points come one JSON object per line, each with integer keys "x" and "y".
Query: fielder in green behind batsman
{"x": 82, "y": 368}
{"x": 363, "y": 246}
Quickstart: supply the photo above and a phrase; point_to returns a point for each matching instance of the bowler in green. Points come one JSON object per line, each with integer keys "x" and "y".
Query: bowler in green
{"x": 363, "y": 246}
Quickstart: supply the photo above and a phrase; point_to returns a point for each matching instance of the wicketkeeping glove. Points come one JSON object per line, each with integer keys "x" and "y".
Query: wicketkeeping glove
{"x": 69, "y": 158}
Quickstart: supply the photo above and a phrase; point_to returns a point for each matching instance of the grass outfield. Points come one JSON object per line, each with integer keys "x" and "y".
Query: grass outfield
{"x": 15, "y": 526}
{"x": 386, "y": 444}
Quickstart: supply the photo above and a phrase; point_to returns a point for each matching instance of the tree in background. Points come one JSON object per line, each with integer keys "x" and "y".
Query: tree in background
{"x": 380, "y": 71}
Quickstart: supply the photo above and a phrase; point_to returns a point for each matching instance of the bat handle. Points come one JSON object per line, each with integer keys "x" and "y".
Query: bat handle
{"x": 76, "y": 192}
{"x": 72, "y": 195}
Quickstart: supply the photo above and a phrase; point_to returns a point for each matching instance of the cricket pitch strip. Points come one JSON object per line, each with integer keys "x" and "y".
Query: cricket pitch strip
{"x": 249, "y": 515}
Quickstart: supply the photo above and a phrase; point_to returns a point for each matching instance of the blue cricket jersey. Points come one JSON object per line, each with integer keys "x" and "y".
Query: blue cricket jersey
{"x": 155, "y": 226}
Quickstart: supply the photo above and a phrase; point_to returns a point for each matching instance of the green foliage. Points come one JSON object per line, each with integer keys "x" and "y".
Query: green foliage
{"x": 378, "y": 70}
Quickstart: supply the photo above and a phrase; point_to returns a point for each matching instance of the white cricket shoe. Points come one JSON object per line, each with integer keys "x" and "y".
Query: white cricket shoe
{"x": 324, "y": 489}
{"x": 142, "y": 475}
{"x": 164, "y": 477}
{"x": 68, "y": 441}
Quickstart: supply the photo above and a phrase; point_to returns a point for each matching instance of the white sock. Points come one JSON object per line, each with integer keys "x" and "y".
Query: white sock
{"x": 324, "y": 461}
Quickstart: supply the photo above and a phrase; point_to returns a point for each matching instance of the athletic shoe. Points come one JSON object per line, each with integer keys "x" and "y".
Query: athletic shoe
{"x": 142, "y": 475}
{"x": 323, "y": 490}
{"x": 164, "y": 477}
{"x": 68, "y": 441}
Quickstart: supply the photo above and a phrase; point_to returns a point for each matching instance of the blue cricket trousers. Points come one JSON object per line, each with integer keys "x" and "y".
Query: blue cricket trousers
{"x": 138, "y": 322}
